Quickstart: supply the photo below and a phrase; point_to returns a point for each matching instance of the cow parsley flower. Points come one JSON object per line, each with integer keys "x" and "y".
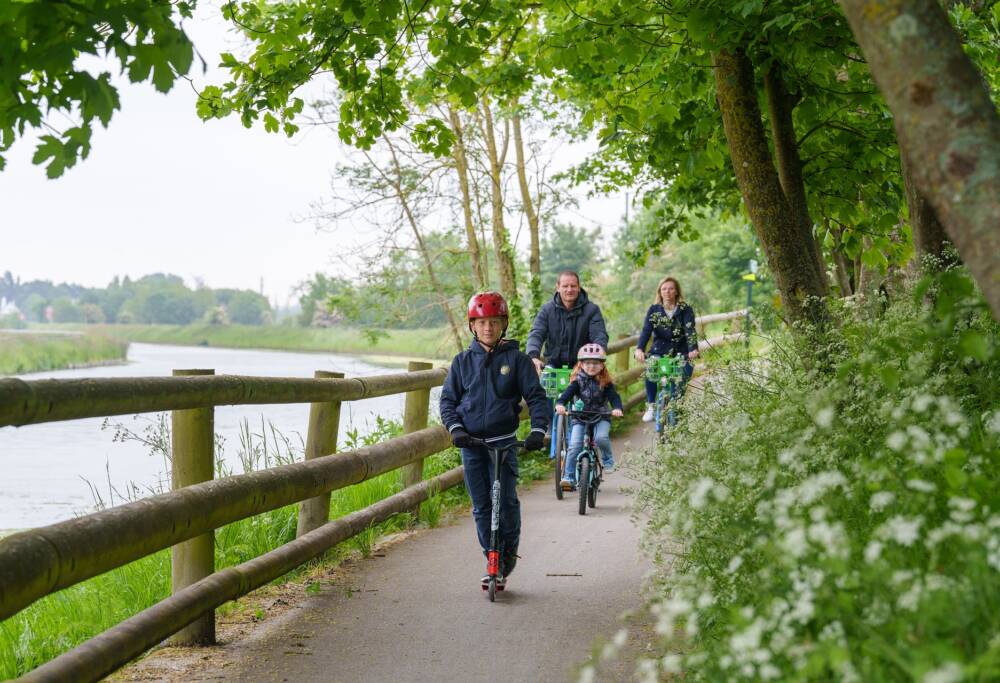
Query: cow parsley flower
{"x": 903, "y": 530}
{"x": 951, "y": 672}
{"x": 881, "y": 500}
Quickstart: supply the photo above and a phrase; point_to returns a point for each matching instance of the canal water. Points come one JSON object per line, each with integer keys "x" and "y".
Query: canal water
{"x": 53, "y": 471}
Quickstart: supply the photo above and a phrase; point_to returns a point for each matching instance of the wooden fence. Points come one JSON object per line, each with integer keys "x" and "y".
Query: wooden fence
{"x": 41, "y": 561}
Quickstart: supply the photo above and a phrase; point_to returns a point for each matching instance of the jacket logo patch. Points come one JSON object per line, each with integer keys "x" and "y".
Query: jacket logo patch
{"x": 505, "y": 370}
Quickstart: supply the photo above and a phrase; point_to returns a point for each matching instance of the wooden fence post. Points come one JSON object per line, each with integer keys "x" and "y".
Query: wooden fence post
{"x": 622, "y": 357}
{"x": 192, "y": 462}
{"x": 321, "y": 440}
{"x": 415, "y": 414}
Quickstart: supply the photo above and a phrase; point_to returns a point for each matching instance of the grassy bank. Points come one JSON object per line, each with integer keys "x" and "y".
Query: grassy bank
{"x": 61, "y": 621}
{"x": 21, "y": 353}
{"x": 419, "y": 343}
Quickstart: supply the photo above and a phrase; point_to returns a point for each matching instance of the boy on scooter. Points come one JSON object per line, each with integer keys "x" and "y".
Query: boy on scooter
{"x": 481, "y": 399}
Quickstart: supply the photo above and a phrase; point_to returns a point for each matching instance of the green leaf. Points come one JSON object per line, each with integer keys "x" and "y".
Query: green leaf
{"x": 974, "y": 345}
{"x": 271, "y": 124}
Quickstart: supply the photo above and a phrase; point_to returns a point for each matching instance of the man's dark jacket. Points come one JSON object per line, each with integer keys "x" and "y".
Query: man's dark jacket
{"x": 483, "y": 390}
{"x": 563, "y": 331}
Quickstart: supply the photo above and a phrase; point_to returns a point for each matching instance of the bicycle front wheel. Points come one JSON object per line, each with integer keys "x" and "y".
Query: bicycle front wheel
{"x": 583, "y": 484}
{"x": 661, "y": 416}
{"x": 558, "y": 452}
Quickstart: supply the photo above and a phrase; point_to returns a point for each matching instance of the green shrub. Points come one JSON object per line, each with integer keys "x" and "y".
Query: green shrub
{"x": 835, "y": 515}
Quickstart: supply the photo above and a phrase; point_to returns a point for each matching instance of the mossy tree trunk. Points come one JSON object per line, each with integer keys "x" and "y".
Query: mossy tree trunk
{"x": 789, "y": 255}
{"x": 947, "y": 125}
{"x": 780, "y": 104}
{"x": 929, "y": 237}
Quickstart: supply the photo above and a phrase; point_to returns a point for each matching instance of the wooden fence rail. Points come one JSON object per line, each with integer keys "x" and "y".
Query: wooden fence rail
{"x": 40, "y": 561}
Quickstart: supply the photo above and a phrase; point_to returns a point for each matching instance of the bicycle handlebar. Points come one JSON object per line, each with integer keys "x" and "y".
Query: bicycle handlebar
{"x": 479, "y": 443}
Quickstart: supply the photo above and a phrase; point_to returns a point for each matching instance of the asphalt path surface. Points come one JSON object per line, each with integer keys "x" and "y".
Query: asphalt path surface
{"x": 417, "y": 612}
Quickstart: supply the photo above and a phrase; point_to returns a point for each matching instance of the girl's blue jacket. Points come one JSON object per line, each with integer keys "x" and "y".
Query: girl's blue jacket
{"x": 671, "y": 336}
{"x": 482, "y": 392}
{"x": 589, "y": 389}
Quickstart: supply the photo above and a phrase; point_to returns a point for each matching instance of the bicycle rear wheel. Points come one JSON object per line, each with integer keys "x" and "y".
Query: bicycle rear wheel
{"x": 583, "y": 483}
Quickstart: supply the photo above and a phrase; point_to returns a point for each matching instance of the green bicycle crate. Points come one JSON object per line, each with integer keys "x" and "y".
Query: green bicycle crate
{"x": 660, "y": 367}
{"x": 555, "y": 380}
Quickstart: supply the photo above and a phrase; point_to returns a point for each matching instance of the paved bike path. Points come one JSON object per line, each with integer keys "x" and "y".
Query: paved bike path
{"x": 418, "y": 613}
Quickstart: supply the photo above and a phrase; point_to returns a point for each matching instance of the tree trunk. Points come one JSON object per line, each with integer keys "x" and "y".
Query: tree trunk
{"x": 780, "y": 104}
{"x": 462, "y": 169}
{"x": 947, "y": 125}
{"x": 789, "y": 256}
{"x": 534, "y": 260}
{"x": 396, "y": 182}
{"x": 501, "y": 244}
{"x": 840, "y": 262}
{"x": 929, "y": 237}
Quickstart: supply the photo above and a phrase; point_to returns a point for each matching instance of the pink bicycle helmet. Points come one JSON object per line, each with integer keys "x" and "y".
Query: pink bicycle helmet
{"x": 591, "y": 352}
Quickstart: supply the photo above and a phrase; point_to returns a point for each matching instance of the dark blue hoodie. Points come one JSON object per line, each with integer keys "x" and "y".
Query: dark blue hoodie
{"x": 482, "y": 392}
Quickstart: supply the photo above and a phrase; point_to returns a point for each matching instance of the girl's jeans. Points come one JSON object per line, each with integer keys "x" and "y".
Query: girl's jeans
{"x": 479, "y": 481}
{"x": 651, "y": 386}
{"x": 602, "y": 440}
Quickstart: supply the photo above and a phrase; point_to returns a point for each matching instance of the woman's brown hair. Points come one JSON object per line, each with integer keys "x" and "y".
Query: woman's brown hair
{"x": 659, "y": 296}
{"x": 603, "y": 377}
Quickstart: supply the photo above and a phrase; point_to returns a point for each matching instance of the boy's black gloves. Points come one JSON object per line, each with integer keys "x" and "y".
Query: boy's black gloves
{"x": 534, "y": 442}
{"x": 461, "y": 438}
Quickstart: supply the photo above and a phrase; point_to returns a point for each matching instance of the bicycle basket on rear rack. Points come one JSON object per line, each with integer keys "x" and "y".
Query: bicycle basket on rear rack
{"x": 660, "y": 367}
{"x": 555, "y": 380}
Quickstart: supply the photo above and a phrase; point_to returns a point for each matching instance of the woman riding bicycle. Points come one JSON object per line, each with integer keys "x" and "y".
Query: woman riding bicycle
{"x": 670, "y": 323}
{"x": 591, "y": 382}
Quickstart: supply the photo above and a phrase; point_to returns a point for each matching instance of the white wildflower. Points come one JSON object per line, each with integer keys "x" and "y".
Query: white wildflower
{"x": 824, "y": 417}
{"x": 794, "y": 542}
{"x": 922, "y": 402}
{"x": 920, "y": 485}
{"x": 873, "y": 551}
{"x": 671, "y": 664}
{"x": 903, "y": 530}
{"x": 881, "y": 500}
{"x": 918, "y": 436}
{"x": 699, "y": 492}
{"x": 910, "y": 600}
{"x": 734, "y": 564}
{"x": 896, "y": 441}
{"x": 950, "y": 672}
{"x": 992, "y": 422}
{"x": 769, "y": 672}
{"x": 587, "y": 675}
{"x": 963, "y": 504}
{"x": 645, "y": 671}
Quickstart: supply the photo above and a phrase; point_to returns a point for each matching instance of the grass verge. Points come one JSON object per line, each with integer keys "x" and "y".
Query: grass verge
{"x": 22, "y": 353}
{"x": 431, "y": 343}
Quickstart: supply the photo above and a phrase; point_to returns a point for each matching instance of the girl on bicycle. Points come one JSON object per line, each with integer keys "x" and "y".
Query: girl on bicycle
{"x": 670, "y": 322}
{"x": 591, "y": 382}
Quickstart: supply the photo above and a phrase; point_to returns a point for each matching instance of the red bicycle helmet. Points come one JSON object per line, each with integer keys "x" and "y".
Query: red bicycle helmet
{"x": 591, "y": 352}
{"x": 487, "y": 305}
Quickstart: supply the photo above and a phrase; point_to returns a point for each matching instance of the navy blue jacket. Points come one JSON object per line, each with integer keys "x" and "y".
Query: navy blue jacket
{"x": 589, "y": 389}
{"x": 671, "y": 336}
{"x": 563, "y": 331}
{"x": 482, "y": 392}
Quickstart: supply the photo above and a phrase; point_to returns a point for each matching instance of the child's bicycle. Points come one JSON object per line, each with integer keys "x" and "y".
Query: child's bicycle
{"x": 494, "y": 580}
{"x": 555, "y": 381}
{"x": 589, "y": 470}
{"x": 667, "y": 372}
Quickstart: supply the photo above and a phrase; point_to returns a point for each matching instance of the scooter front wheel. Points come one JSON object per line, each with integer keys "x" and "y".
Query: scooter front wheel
{"x": 493, "y": 588}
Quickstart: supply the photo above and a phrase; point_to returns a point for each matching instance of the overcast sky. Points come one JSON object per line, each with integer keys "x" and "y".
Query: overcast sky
{"x": 164, "y": 192}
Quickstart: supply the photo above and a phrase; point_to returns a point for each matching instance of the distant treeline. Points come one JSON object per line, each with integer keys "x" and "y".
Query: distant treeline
{"x": 155, "y": 299}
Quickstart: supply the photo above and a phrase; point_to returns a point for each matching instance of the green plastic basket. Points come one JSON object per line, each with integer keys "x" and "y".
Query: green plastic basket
{"x": 661, "y": 367}
{"x": 555, "y": 380}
